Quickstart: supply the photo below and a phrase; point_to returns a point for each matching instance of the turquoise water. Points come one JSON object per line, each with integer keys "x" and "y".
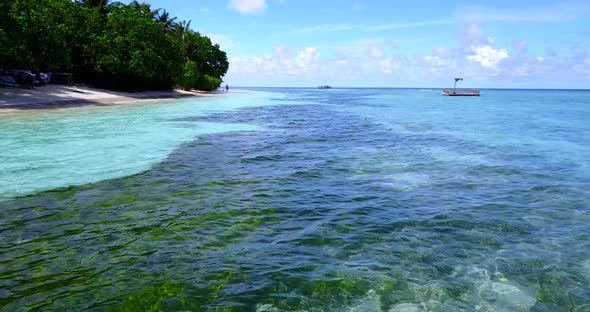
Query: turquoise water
{"x": 75, "y": 147}
{"x": 300, "y": 200}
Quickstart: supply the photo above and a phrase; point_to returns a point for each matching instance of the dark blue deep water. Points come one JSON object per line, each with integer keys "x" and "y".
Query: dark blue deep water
{"x": 301, "y": 200}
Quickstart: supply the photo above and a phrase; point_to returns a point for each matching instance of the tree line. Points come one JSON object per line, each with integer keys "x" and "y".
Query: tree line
{"x": 119, "y": 46}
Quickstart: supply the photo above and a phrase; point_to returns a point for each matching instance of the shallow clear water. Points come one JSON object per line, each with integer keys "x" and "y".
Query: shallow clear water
{"x": 301, "y": 200}
{"x": 74, "y": 147}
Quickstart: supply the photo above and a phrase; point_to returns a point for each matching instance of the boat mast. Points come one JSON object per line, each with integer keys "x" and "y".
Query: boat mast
{"x": 456, "y": 80}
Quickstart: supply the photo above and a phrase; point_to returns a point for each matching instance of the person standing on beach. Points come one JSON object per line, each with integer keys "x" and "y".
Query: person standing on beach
{"x": 226, "y": 87}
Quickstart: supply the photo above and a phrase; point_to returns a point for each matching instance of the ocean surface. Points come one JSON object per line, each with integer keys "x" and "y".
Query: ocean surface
{"x": 300, "y": 200}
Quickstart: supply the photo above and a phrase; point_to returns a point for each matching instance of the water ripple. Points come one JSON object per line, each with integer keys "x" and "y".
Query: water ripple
{"x": 328, "y": 209}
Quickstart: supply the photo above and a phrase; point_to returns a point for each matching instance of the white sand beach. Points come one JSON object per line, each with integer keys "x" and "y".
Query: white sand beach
{"x": 14, "y": 100}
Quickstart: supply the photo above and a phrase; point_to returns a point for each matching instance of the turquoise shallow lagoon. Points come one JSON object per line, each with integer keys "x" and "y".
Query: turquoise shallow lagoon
{"x": 73, "y": 147}
{"x": 300, "y": 200}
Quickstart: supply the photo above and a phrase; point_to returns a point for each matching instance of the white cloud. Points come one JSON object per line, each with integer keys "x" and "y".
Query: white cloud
{"x": 389, "y": 65}
{"x": 487, "y": 56}
{"x": 520, "y": 46}
{"x": 372, "y": 61}
{"x": 224, "y": 41}
{"x": 342, "y": 61}
{"x": 376, "y": 52}
{"x": 585, "y": 70}
{"x": 434, "y": 61}
{"x": 438, "y": 66}
{"x": 309, "y": 59}
{"x": 583, "y": 65}
{"x": 442, "y": 51}
{"x": 521, "y": 65}
{"x": 579, "y": 52}
{"x": 282, "y": 61}
{"x": 248, "y": 6}
{"x": 471, "y": 35}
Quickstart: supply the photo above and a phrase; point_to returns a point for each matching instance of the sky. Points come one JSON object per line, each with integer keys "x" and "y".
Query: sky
{"x": 379, "y": 43}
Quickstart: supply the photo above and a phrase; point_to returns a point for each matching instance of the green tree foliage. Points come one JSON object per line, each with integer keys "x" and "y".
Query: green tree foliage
{"x": 213, "y": 61}
{"x": 86, "y": 26}
{"x": 167, "y": 22}
{"x": 128, "y": 47}
{"x": 6, "y": 46}
{"x": 35, "y": 33}
{"x": 193, "y": 79}
{"x": 94, "y": 3}
{"x": 136, "y": 53}
{"x": 208, "y": 83}
{"x": 145, "y": 9}
{"x": 190, "y": 76}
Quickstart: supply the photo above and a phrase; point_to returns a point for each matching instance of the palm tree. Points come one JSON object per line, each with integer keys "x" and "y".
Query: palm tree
{"x": 163, "y": 17}
{"x": 145, "y": 9}
{"x": 183, "y": 32}
{"x": 182, "y": 28}
{"x": 94, "y": 3}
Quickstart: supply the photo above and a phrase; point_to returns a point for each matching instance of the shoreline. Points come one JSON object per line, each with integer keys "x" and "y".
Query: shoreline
{"x": 14, "y": 101}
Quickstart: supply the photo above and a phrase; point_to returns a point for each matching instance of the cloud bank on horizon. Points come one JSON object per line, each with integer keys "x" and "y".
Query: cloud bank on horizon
{"x": 535, "y": 44}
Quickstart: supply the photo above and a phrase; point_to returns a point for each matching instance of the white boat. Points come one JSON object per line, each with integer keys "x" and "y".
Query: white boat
{"x": 460, "y": 92}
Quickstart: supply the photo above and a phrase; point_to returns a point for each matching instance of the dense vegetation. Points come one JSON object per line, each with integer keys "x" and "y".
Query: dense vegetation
{"x": 113, "y": 45}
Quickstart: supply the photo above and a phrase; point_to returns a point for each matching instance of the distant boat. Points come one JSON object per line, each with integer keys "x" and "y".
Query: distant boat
{"x": 324, "y": 87}
{"x": 460, "y": 92}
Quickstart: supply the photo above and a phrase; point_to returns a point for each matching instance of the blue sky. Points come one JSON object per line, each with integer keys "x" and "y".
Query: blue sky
{"x": 363, "y": 43}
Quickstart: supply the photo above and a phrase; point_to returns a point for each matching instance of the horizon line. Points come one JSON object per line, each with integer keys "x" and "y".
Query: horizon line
{"x": 433, "y": 88}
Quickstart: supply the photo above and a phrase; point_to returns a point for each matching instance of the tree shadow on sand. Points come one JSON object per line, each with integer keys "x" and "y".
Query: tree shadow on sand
{"x": 52, "y": 97}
